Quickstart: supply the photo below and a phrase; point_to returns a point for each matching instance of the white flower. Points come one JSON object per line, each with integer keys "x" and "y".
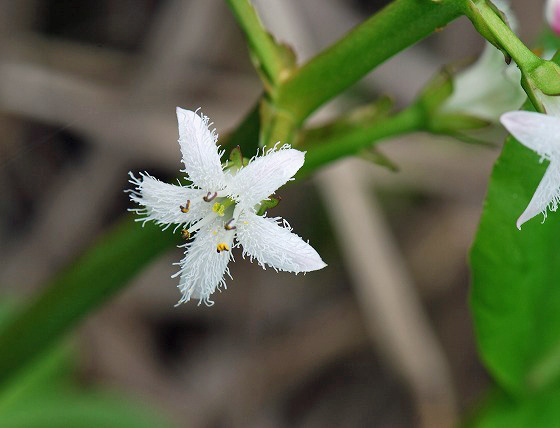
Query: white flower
{"x": 489, "y": 87}
{"x": 221, "y": 206}
{"x": 486, "y": 89}
{"x": 539, "y": 132}
{"x": 552, "y": 15}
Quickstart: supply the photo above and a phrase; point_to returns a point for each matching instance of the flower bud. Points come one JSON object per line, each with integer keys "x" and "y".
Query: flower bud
{"x": 552, "y": 14}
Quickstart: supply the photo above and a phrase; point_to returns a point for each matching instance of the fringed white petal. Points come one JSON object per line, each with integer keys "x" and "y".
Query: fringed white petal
{"x": 546, "y": 196}
{"x": 203, "y": 269}
{"x": 200, "y": 152}
{"x": 539, "y": 132}
{"x": 161, "y": 202}
{"x": 270, "y": 244}
{"x": 264, "y": 174}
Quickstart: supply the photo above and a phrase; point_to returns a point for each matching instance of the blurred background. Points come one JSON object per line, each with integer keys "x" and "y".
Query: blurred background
{"x": 381, "y": 337}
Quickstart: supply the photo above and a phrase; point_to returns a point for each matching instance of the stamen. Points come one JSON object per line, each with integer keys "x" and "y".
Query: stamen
{"x": 228, "y": 225}
{"x": 210, "y": 197}
{"x": 222, "y": 247}
{"x": 185, "y": 234}
{"x": 185, "y": 209}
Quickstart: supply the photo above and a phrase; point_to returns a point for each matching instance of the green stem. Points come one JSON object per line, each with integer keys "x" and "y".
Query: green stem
{"x": 396, "y": 27}
{"x": 262, "y": 45}
{"x": 506, "y": 38}
{"x": 353, "y": 141}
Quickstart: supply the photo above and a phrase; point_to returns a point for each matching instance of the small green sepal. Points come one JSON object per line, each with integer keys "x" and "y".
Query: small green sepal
{"x": 374, "y": 155}
{"x": 446, "y": 123}
{"x": 471, "y": 139}
{"x": 436, "y": 91}
{"x": 236, "y": 159}
{"x": 269, "y": 203}
{"x": 361, "y": 116}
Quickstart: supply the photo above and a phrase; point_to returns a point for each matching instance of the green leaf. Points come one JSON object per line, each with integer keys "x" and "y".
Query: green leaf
{"x": 81, "y": 411}
{"x": 52, "y": 370}
{"x": 500, "y": 411}
{"x": 92, "y": 280}
{"x": 50, "y": 373}
{"x": 46, "y": 394}
{"x": 515, "y": 296}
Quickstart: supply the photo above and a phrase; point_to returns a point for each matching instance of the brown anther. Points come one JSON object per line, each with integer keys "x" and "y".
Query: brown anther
{"x": 228, "y": 225}
{"x": 185, "y": 209}
{"x": 185, "y": 234}
{"x": 210, "y": 197}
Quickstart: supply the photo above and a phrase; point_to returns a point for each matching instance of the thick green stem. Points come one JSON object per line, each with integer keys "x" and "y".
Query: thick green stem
{"x": 504, "y": 36}
{"x": 353, "y": 141}
{"x": 261, "y": 43}
{"x": 396, "y": 27}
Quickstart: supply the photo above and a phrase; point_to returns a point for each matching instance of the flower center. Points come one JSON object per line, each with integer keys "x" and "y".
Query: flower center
{"x": 219, "y": 209}
{"x": 222, "y": 207}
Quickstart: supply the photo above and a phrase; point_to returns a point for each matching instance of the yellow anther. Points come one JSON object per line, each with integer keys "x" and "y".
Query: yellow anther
{"x": 185, "y": 234}
{"x": 219, "y": 209}
{"x": 222, "y": 247}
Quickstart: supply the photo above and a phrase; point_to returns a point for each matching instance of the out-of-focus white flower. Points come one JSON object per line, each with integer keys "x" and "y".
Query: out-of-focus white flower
{"x": 486, "y": 89}
{"x": 489, "y": 87}
{"x": 552, "y": 14}
{"x": 221, "y": 206}
{"x": 539, "y": 132}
